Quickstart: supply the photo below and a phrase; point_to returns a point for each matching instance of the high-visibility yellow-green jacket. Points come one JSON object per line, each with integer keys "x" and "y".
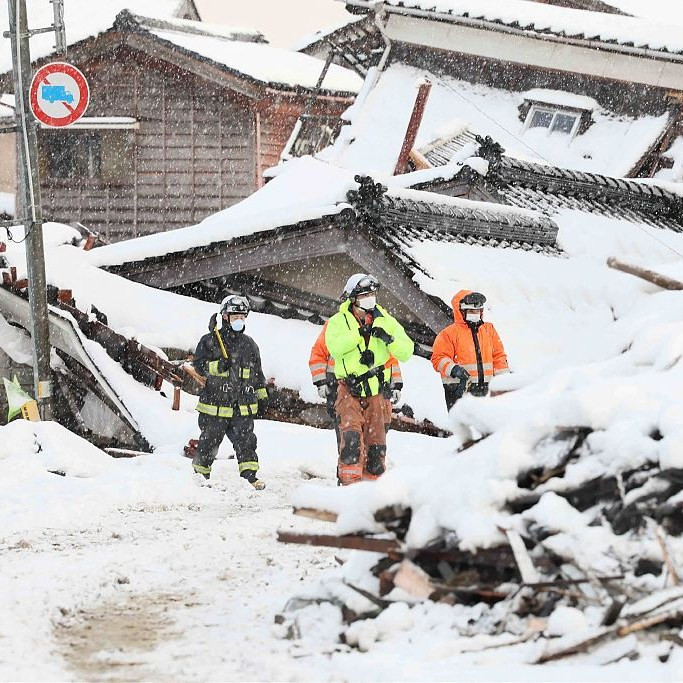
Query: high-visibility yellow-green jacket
{"x": 346, "y": 344}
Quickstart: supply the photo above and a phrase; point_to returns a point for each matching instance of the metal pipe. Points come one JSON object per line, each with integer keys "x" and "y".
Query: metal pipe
{"x": 58, "y": 26}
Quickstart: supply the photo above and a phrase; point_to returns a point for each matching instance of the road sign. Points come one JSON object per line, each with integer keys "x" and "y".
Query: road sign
{"x": 59, "y": 94}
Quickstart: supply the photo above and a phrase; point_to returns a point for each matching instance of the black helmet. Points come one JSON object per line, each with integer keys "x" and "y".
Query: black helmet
{"x": 360, "y": 283}
{"x": 234, "y": 303}
{"x": 472, "y": 300}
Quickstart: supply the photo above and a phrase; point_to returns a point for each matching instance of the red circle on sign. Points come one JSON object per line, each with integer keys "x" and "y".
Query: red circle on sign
{"x": 73, "y": 113}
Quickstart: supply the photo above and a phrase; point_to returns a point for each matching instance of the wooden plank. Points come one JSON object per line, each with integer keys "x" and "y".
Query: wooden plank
{"x": 524, "y": 564}
{"x": 312, "y": 513}
{"x": 649, "y": 275}
{"x": 375, "y": 545}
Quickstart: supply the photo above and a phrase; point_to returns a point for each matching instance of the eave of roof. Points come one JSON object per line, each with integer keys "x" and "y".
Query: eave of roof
{"x": 477, "y": 18}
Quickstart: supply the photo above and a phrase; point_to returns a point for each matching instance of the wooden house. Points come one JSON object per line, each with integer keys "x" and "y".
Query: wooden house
{"x": 183, "y": 119}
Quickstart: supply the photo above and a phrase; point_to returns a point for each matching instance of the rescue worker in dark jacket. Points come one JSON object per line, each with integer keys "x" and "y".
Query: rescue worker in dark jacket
{"x": 235, "y": 390}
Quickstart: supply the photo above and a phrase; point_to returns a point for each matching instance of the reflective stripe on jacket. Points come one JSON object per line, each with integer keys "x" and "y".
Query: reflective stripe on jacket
{"x": 237, "y": 390}
{"x": 346, "y": 344}
{"x": 321, "y": 364}
{"x": 458, "y": 344}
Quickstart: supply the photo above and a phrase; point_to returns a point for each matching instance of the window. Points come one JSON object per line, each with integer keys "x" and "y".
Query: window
{"x": 74, "y": 155}
{"x": 102, "y": 155}
{"x": 556, "y": 121}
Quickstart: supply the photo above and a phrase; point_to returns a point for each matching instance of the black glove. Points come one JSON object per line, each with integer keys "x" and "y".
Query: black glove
{"x": 459, "y": 373}
{"x": 381, "y": 334}
{"x": 365, "y": 330}
{"x": 367, "y": 357}
{"x": 223, "y": 365}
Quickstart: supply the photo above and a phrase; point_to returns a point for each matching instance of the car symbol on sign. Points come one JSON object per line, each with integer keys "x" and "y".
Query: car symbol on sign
{"x": 56, "y": 93}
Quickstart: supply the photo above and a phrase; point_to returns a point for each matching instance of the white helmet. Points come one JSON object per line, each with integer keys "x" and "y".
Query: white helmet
{"x": 359, "y": 283}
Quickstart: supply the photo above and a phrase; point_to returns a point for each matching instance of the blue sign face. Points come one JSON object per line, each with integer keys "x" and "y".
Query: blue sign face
{"x": 56, "y": 93}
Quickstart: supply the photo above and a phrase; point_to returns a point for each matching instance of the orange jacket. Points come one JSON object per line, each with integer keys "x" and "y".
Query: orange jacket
{"x": 321, "y": 363}
{"x": 455, "y": 345}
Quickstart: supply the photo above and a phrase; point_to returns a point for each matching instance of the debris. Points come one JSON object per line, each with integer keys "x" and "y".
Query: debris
{"x": 540, "y": 570}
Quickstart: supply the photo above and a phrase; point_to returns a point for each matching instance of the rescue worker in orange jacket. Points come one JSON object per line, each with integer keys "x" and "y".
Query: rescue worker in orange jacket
{"x": 321, "y": 365}
{"x": 468, "y": 353}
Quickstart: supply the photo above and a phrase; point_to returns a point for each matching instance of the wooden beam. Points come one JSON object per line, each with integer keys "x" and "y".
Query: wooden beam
{"x": 228, "y": 259}
{"x": 375, "y": 545}
{"x": 312, "y": 513}
{"x": 375, "y": 260}
{"x": 649, "y": 275}
{"x": 413, "y": 126}
{"x": 419, "y": 160}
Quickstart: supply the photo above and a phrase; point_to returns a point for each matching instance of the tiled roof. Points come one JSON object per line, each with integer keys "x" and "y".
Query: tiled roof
{"x": 549, "y": 189}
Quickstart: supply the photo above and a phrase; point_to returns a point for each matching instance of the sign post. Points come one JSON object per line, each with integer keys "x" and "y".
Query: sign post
{"x": 29, "y": 185}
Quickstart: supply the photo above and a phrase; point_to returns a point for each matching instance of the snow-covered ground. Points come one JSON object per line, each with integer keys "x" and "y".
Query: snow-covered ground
{"x": 126, "y": 570}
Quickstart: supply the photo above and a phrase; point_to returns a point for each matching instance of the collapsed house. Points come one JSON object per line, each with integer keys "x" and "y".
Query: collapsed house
{"x": 556, "y": 532}
{"x": 603, "y": 99}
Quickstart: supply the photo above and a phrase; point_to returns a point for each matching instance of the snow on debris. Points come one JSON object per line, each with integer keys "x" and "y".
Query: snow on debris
{"x": 562, "y": 21}
{"x": 265, "y": 63}
{"x": 372, "y": 142}
{"x": 83, "y": 19}
{"x": 578, "y": 463}
{"x": 161, "y": 319}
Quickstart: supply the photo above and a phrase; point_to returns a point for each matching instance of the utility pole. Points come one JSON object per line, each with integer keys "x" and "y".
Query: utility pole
{"x": 29, "y": 182}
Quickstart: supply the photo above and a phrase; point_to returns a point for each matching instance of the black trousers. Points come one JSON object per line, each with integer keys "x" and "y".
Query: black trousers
{"x": 240, "y": 431}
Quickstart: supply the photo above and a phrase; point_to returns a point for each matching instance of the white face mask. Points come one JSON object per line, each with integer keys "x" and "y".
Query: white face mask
{"x": 473, "y": 316}
{"x": 367, "y": 303}
{"x": 237, "y": 325}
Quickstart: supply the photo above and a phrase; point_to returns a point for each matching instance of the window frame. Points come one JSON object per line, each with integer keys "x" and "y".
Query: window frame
{"x": 555, "y": 112}
{"x": 99, "y": 180}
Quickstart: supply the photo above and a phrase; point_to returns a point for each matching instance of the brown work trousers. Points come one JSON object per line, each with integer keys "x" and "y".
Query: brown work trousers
{"x": 363, "y": 426}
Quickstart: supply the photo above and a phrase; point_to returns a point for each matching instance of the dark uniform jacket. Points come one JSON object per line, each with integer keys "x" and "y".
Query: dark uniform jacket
{"x": 237, "y": 390}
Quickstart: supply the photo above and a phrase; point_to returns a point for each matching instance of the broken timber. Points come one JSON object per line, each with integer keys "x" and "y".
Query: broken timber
{"x": 649, "y": 275}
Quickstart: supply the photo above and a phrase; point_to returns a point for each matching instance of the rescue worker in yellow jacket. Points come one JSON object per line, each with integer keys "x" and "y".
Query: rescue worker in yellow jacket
{"x": 361, "y": 338}
{"x": 321, "y": 365}
{"x": 468, "y": 353}
{"x": 234, "y": 392}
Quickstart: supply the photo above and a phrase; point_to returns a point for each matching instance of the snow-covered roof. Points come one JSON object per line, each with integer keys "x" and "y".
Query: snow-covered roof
{"x": 372, "y": 142}
{"x": 670, "y": 10}
{"x": 561, "y": 98}
{"x": 83, "y": 19}
{"x": 638, "y": 32}
{"x": 281, "y": 203}
{"x": 264, "y": 63}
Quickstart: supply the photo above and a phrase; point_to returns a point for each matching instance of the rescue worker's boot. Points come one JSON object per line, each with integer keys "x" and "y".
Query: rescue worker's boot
{"x": 201, "y": 473}
{"x": 250, "y": 476}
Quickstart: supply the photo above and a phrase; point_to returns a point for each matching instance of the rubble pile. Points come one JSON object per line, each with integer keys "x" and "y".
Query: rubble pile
{"x": 586, "y": 558}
